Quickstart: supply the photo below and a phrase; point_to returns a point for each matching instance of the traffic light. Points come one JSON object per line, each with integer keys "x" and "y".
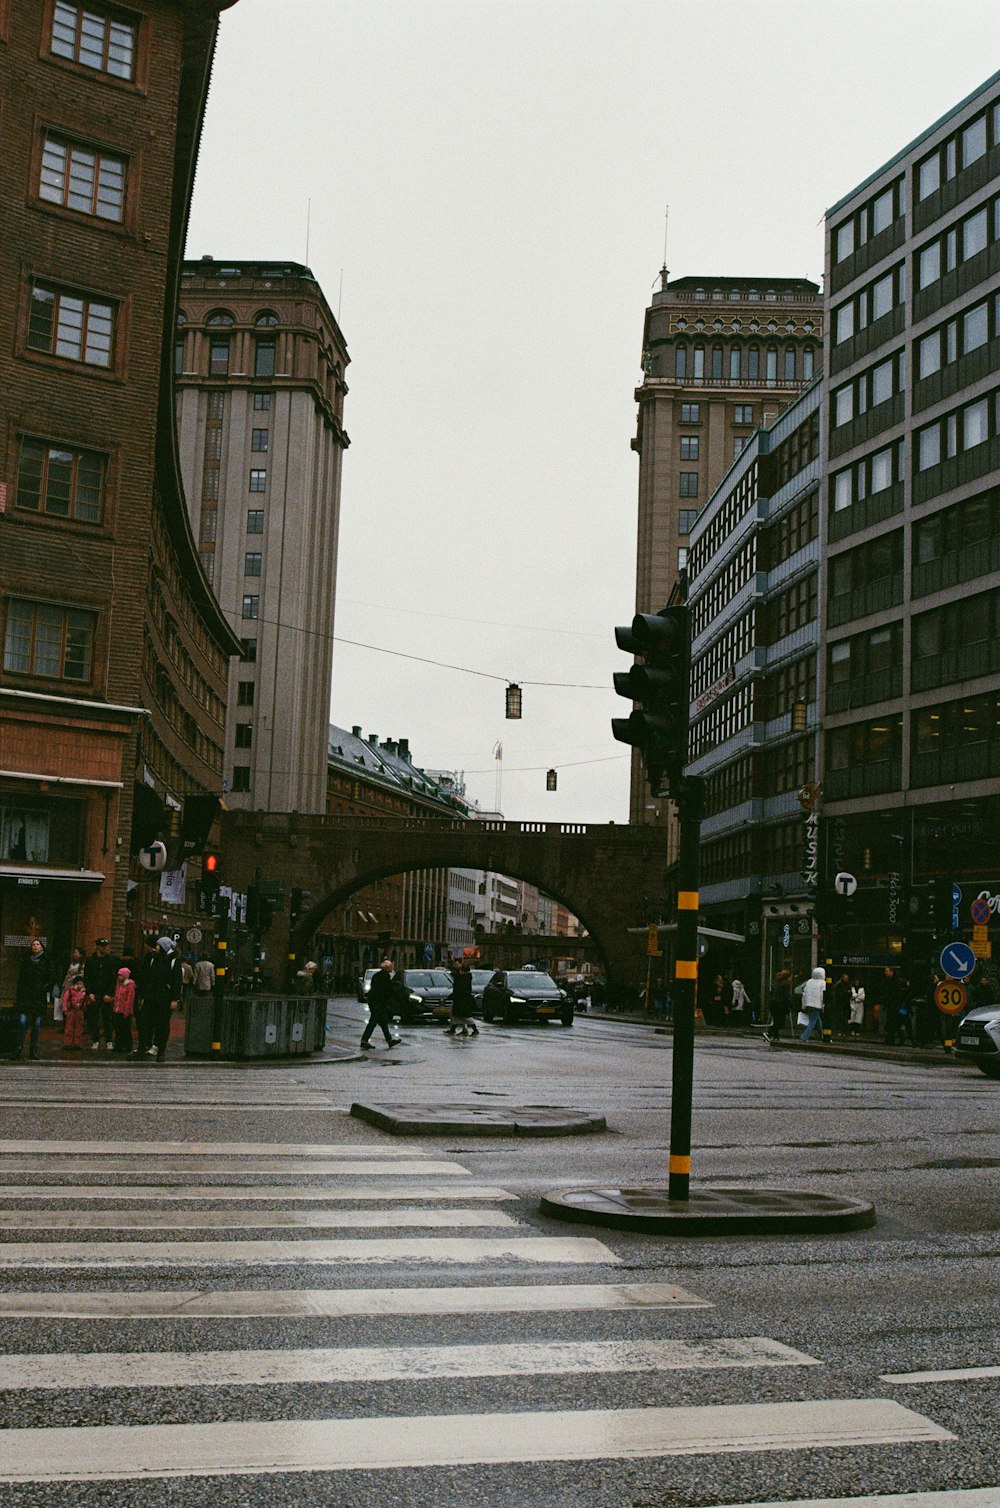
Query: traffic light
{"x": 211, "y": 877}
{"x": 658, "y": 728}
{"x": 297, "y": 903}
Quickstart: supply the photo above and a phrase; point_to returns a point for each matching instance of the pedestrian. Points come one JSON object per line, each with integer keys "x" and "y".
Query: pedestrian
{"x": 35, "y": 979}
{"x": 715, "y": 1012}
{"x": 305, "y": 978}
{"x": 144, "y": 1015}
{"x": 857, "y": 1016}
{"x": 381, "y": 1003}
{"x": 204, "y": 976}
{"x": 887, "y": 1001}
{"x": 123, "y": 1009}
{"x": 461, "y": 1002}
{"x": 100, "y": 975}
{"x": 812, "y": 1003}
{"x": 899, "y": 1021}
{"x": 74, "y": 1000}
{"x": 741, "y": 1001}
{"x": 187, "y": 979}
{"x": 162, "y": 987}
{"x": 841, "y": 1014}
{"x": 779, "y": 1004}
{"x": 74, "y": 969}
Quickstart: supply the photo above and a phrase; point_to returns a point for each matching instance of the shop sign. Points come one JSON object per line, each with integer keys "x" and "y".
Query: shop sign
{"x": 810, "y": 862}
{"x": 862, "y": 960}
{"x": 708, "y": 697}
{"x": 28, "y": 880}
{"x": 23, "y": 939}
{"x": 895, "y": 891}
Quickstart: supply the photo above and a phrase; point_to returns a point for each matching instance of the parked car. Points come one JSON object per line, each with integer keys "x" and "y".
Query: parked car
{"x": 979, "y": 1038}
{"x": 365, "y": 984}
{"x": 525, "y": 994}
{"x": 428, "y": 995}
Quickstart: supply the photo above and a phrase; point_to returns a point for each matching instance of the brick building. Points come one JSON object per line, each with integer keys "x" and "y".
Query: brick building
{"x": 113, "y": 679}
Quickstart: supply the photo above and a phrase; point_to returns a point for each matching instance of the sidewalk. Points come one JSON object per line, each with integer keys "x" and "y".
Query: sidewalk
{"x": 853, "y": 1047}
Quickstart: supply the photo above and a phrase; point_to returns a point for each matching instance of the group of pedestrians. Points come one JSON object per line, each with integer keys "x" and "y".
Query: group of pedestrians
{"x": 101, "y": 997}
{"x": 901, "y": 1010}
{"x": 728, "y": 1003}
{"x": 387, "y": 993}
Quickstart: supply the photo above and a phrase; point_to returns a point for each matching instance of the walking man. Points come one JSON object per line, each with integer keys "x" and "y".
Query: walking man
{"x": 381, "y": 999}
{"x": 779, "y": 1001}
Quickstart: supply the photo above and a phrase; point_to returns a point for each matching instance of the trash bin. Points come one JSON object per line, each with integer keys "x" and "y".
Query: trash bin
{"x": 258, "y": 1026}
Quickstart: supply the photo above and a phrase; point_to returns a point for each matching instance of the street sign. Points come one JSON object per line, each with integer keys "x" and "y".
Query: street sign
{"x": 980, "y": 911}
{"x": 428, "y": 952}
{"x": 844, "y": 883}
{"x": 956, "y": 895}
{"x": 958, "y": 960}
{"x": 982, "y": 947}
{"x": 653, "y": 948}
{"x": 950, "y": 997}
{"x": 154, "y": 857}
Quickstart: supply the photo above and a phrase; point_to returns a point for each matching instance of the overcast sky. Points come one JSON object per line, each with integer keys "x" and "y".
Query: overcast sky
{"x": 488, "y": 181}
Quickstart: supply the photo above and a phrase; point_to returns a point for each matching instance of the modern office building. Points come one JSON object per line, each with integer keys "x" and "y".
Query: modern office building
{"x": 911, "y": 531}
{"x": 259, "y": 369}
{"x": 721, "y": 358}
{"x": 115, "y": 653}
{"x": 752, "y": 573}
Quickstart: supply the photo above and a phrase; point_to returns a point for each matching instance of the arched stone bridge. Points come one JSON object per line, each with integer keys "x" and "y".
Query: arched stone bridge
{"x": 601, "y": 872}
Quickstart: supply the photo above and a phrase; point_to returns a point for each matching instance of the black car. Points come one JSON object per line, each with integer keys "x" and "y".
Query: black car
{"x": 480, "y": 979}
{"x": 427, "y": 997}
{"x": 522, "y": 994}
{"x": 979, "y": 1038}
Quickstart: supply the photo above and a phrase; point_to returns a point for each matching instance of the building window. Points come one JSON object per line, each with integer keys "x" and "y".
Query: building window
{"x": 742, "y": 413}
{"x": 241, "y": 777}
{"x": 682, "y": 558}
{"x": 258, "y": 439}
{"x": 208, "y": 526}
{"x": 789, "y": 363}
{"x": 265, "y": 317}
{"x": 771, "y": 370}
{"x": 689, "y": 447}
{"x": 220, "y": 319}
{"x": 71, "y": 326}
{"x": 251, "y": 607}
{"x": 218, "y": 356}
{"x": 716, "y": 363}
{"x": 680, "y": 363}
{"x": 258, "y": 480}
{"x": 808, "y": 364}
{"x": 244, "y": 735}
{"x": 264, "y": 358}
{"x": 60, "y": 482}
{"x": 91, "y": 36}
{"x": 734, "y": 364}
{"x": 690, "y": 413}
{"x": 82, "y": 178}
{"x": 207, "y": 558}
{"x": 753, "y": 364}
{"x": 686, "y": 520}
{"x": 244, "y": 693}
{"x": 699, "y": 363}
{"x": 248, "y": 653}
{"x": 178, "y": 356}
{"x": 689, "y": 484}
{"x": 48, "y": 641}
{"x": 252, "y": 563}
{"x": 255, "y": 521}
{"x": 261, "y": 401}
{"x": 740, "y": 443}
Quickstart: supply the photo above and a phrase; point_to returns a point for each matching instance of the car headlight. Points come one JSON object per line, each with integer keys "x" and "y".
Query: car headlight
{"x": 417, "y": 999}
{"x": 517, "y": 1000}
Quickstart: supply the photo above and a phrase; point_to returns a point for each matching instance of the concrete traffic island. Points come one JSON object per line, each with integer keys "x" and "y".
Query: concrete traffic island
{"x": 479, "y": 1120}
{"x": 713, "y": 1211}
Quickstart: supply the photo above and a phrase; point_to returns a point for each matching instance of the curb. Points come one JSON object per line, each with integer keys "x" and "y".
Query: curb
{"x": 721, "y": 1211}
{"x": 473, "y": 1120}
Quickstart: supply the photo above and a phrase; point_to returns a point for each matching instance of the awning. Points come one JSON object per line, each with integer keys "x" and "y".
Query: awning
{"x": 37, "y": 872}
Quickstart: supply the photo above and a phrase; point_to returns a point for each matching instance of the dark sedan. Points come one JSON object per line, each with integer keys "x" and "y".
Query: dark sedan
{"x": 426, "y": 995}
{"x": 525, "y": 995}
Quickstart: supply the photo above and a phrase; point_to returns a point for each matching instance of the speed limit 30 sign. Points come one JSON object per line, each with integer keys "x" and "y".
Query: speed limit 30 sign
{"x": 950, "y": 997}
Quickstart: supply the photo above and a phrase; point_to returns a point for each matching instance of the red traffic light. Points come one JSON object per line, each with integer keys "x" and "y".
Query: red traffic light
{"x": 210, "y": 863}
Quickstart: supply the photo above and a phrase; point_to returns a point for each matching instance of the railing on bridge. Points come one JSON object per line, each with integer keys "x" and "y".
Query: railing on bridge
{"x": 456, "y": 824}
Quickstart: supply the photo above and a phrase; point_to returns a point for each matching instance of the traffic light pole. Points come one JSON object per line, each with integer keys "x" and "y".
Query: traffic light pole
{"x": 221, "y": 970}
{"x": 690, "y": 801}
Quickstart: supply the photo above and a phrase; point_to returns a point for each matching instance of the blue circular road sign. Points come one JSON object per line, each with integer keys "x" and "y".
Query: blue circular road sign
{"x": 958, "y": 960}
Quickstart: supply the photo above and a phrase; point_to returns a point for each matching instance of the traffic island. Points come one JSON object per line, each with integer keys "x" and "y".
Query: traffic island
{"x": 479, "y": 1120}
{"x": 711, "y": 1211}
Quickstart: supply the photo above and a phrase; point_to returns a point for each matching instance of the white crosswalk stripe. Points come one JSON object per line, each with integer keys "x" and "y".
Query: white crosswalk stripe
{"x": 381, "y": 1202}
{"x": 954, "y": 1497}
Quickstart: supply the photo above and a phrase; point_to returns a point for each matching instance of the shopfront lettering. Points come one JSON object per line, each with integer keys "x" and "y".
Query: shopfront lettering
{"x": 810, "y": 863}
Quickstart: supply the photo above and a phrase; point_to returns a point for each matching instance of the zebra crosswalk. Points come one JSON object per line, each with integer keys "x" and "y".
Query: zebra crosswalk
{"x": 240, "y": 1288}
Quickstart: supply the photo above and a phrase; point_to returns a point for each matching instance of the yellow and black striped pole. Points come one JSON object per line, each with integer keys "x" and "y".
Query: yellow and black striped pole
{"x": 221, "y": 971}
{"x": 690, "y": 800}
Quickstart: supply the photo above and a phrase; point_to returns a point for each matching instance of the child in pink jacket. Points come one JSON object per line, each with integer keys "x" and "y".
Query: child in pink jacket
{"x": 74, "y": 999}
{"x": 123, "y": 1010}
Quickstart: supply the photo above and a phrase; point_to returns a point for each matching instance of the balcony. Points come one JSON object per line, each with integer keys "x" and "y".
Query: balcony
{"x": 863, "y": 780}
{"x": 874, "y": 509}
{"x": 878, "y": 687}
{"x": 967, "y": 563}
{"x": 874, "y": 597}
{"x": 963, "y": 662}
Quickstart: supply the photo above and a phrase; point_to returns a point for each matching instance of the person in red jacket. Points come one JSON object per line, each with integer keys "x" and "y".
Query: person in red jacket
{"x": 122, "y": 1010}
{"x": 74, "y": 1000}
